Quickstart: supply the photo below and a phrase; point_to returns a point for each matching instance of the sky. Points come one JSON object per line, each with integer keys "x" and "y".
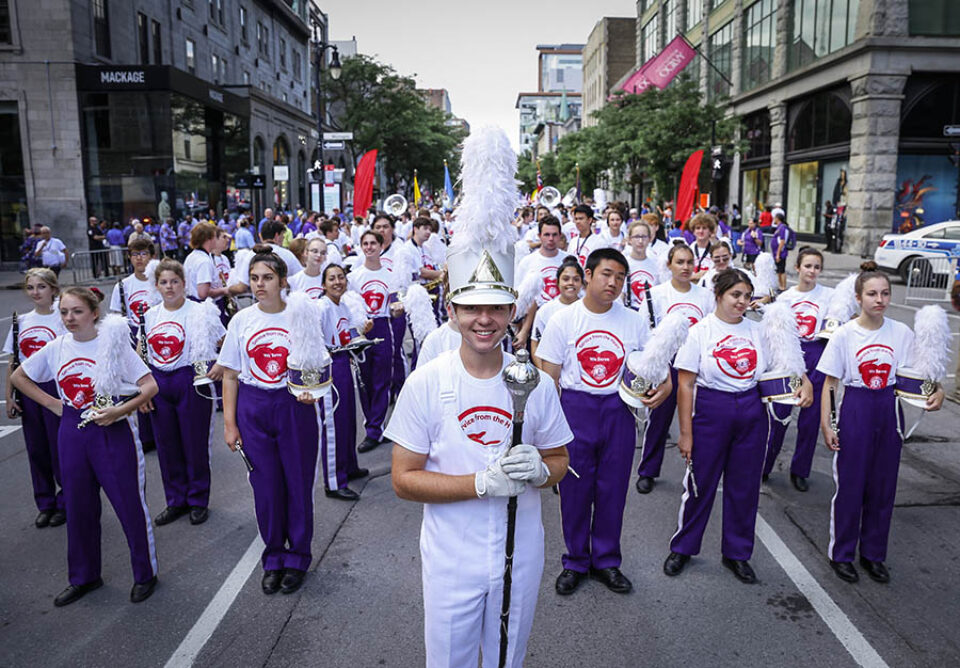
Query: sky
{"x": 482, "y": 51}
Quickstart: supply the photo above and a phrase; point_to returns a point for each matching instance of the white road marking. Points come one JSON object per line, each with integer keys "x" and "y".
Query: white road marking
{"x": 837, "y": 621}
{"x": 215, "y": 611}
{"x": 9, "y": 429}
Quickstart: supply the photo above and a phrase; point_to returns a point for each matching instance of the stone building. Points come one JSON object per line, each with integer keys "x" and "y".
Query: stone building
{"x": 840, "y": 100}
{"x": 609, "y": 54}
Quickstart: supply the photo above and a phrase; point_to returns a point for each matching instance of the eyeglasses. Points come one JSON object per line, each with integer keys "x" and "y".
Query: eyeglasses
{"x": 639, "y": 236}
{"x": 140, "y": 254}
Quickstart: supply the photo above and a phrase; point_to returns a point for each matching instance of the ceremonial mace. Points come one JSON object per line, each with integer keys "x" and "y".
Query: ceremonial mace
{"x": 520, "y": 377}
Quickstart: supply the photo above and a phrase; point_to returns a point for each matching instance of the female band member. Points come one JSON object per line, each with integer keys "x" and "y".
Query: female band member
{"x": 199, "y": 267}
{"x": 280, "y": 432}
{"x": 809, "y": 302}
{"x": 103, "y": 453}
{"x": 678, "y": 294}
{"x": 570, "y": 282}
{"x": 182, "y": 417}
{"x": 725, "y": 434}
{"x": 36, "y": 329}
{"x": 310, "y": 279}
{"x": 720, "y": 254}
{"x": 864, "y": 354}
{"x": 644, "y": 269}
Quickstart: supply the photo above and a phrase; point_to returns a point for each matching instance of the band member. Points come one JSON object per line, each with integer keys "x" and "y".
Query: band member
{"x": 181, "y": 416}
{"x": 35, "y": 330}
{"x": 864, "y": 354}
{"x": 585, "y": 240}
{"x": 809, "y": 302}
{"x": 644, "y": 269}
{"x": 704, "y": 226}
{"x": 429, "y": 268}
{"x": 678, "y": 294}
{"x": 310, "y": 280}
{"x": 721, "y": 255}
{"x": 569, "y": 278}
{"x": 443, "y": 338}
{"x": 199, "y": 267}
{"x": 658, "y": 240}
{"x": 614, "y": 232}
{"x": 103, "y": 453}
{"x": 279, "y": 432}
{"x": 725, "y": 433}
{"x": 545, "y": 261}
{"x": 391, "y": 246}
{"x": 583, "y": 349}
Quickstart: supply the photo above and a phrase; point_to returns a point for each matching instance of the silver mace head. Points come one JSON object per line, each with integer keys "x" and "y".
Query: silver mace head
{"x": 521, "y": 378}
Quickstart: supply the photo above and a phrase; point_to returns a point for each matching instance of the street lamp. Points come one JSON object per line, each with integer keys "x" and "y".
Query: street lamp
{"x": 320, "y": 48}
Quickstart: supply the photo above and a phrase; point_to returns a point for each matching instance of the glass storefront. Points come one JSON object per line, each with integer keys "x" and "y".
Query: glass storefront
{"x": 756, "y": 191}
{"x": 281, "y": 186}
{"x": 802, "y": 196}
{"x": 14, "y": 216}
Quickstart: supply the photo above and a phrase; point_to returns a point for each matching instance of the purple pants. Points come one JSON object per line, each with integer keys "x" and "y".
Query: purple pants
{"x": 808, "y": 422}
{"x": 655, "y": 438}
{"x": 729, "y": 440}
{"x": 103, "y": 457}
{"x": 182, "y": 430}
{"x": 144, "y": 430}
{"x": 591, "y": 506}
{"x": 40, "y": 435}
{"x": 398, "y": 328}
{"x": 376, "y": 372}
{"x": 280, "y": 436}
{"x": 865, "y": 472}
{"x": 338, "y": 440}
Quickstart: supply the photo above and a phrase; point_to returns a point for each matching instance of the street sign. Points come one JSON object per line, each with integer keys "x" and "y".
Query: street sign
{"x": 951, "y": 130}
{"x": 333, "y": 145}
{"x": 242, "y": 183}
{"x": 281, "y": 172}
{"x": 338, "y": 136}
{"x": 257, "y": 181}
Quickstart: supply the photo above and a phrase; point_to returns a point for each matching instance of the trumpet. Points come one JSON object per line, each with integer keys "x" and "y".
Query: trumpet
{"x": 549, "y": 197}
{"x": 395, "y": 205}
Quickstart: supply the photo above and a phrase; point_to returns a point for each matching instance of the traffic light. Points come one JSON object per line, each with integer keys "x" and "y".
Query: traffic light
{"x": 717, "y": 163}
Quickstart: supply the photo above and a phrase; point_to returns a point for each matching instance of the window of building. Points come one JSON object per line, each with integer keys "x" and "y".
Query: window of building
{"x": 14, "y": 216}
{"x": 214, "y": 67}
{"x": 223, "y": 70}
{"x": 143, "y": 37}
{"x": 297, "y": 65}
{"x": 216, "y": 11}
{"x": 284, "y": 96}
{"x": 101, "y": 27}
{"x": 759, "y": 40}
{"x": 157, "y": 43}
{"x": 756, "y": 132}
{"x": 263, "y": 40}
{"x": 694, "y": 12}
{"x": 823, "y": 119}
{"x": 243, "y": 24}
{"x": 934, "y": 17}
{"x": 6, "y": 34}
{"x": 191, "y": 57}
{"x": 283, "y": 53}
{"x": 820, "y": 27}
{"x": 246, "y": 78}
{"x": 669, "y": 20}
{"x": 650, "y": 42}
{"x": 721, "y": 53}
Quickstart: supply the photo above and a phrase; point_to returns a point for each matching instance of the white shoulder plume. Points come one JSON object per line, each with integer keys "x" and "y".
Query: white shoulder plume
{"x": 843, "y": 301}
{"x": 419, "y": 310}
{"x": 357, "y": 308}
{"x": 306, "y": 332}
{"x": 204, "y": 329}
{"x": 766, "y": 272}
{"x": 931, "y": 348}
{"x": 113, "y": 334}
{"x": 653, "y": 362}
{"x": 527, "y": 291}
{"x": 781, "y": 339}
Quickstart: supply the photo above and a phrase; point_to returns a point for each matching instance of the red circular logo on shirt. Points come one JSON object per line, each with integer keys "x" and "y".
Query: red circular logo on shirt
{"x": 600, "y": 355}
{"x": 314, "y": 292}
{"x": 637, "y": 280}
{"x": 692, "y": 311}
{"x": 166, "y": 341}
{"x": 343, "y": 331}
{"x": 33, "y": 339}
{"x": 487, "y": 426}
{"x": 137, "y": 304}
{"x": 75, "y": 379}
{"x": 551, "y": 288}
{"x": 874, "y": 363}
{"x": 806, "y": 313}
{"x": 268, "y": 350}
{"x": 736, "y": 357}
{"x": 374, "y": 293}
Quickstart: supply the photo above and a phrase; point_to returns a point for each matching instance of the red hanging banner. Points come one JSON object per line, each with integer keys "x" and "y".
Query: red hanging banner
{"x": 363, "y": 183}
{"x": 688, "y": 187}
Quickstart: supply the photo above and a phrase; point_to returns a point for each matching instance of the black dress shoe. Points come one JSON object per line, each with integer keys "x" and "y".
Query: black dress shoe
{"x": 74, "y": 593}
{"x": 799, "y": 483}
{"x": 359, "y": 473}
{"x": 614, "y": 580}
{"x": 765, "y": 477}
{"x": 644, "y": 484}
{"x": 367, "y": 445}
{"x": 198, "y": 514}
{"x": 59, "y": 517}
{"x": 43, "y": 519}
{"x": 344, "y": 494}
{"x": 141, "y": 590}
{"x": 876, "y": 570}
{"x": 148, "y": 446}
{"x": 568, "y": 581}
{"x": 170, "y": 514}
{"x": 675, "y": 563}
{"x": 845, "y": 571}
{"x": 271, "y": 581}
{"x": 292, "y": 580}
{"x": 741, "y": 569}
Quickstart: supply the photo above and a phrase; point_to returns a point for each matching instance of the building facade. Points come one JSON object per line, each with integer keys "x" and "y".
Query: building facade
{"x": 610, "y": 53}
{"x": 558, "y": 94}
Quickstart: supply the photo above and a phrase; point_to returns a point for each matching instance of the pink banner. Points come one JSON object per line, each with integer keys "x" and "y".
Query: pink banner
{"x": 662, "y": 68}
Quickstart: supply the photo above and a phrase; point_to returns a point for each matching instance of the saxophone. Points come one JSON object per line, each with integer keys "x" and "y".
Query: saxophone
{"x": 232, "y": 306}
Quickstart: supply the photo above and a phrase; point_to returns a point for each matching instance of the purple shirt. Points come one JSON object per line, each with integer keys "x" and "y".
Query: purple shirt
{"x": 752, "y": 241}
{"x": 115, "y": 237}
{"x": 168, "y": 237}
{"x": 779, "y": 244}
{"x": 183, "y": 233}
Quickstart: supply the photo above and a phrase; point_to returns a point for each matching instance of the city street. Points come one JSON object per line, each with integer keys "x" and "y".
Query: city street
{"x": 361, "y": 604}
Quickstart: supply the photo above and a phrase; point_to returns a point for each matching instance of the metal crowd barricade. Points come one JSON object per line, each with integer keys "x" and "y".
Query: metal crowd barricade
{"x": 930, "y": 279}
{"x": 91, "y": 266}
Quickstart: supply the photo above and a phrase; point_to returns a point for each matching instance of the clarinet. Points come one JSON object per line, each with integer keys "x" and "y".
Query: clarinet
{"x": 123, "y": 299}
{"x": 15, "y": 361}
{"x": 646, "y": 291}
{"x": 628, "y": 297}
{"x": 142, "y": 338}
{"x": 834, "y": 424}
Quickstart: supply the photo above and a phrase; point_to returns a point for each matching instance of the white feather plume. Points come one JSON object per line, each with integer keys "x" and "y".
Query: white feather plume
{"x": 653, "y": 362}
{"x": 765, "y": 269}
{"x": 113, "y": 334}
{"x": 931, "y": 348}
{"x": 419, "y": 310}
{"x": 357, "y": 308}
{"x": 404, "y": 266}
{"x": 306, "y": 332}
{"x": 488, "y": 170}
{"x": 527, "y": 291}
{"x": 781, "y": 339}
{"x": 204, "y": 329}
{"x": 664, "y": 275}
{"x": 843, "y": 301}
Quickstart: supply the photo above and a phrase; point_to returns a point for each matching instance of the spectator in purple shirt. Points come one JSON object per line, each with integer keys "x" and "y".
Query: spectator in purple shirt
{"x": 116, "y": 242}
{"x": 752, "y": 243}
{"x": 781, "y": 243}
{"x": 168, "y": 239}
{"x": 309, "y": 225}
{"x": 183, "y": 236}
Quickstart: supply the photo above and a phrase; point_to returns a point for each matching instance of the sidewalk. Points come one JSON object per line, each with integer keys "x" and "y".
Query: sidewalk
{"x": 13, "y": 280}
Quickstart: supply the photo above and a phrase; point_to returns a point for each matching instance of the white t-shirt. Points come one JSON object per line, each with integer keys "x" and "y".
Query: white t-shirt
{"x": 437, "y": 250}
{"x": 222, "y": 275}
{"x": 336, "y": 322}
{"x": 642, "y": 271}
{"x": 657, "y": 248}
{"x": 198, "y": 268}
{"x": 422, "y": 255}
{"x": 725, "y": 357}
{"x": 375, "y": 287}
{"x": 52, "y": 253}
{"x": 334, "y": 256}
{"x": 36, "y": 331}
{"x": 583, "y": 247}
{"x": 547, "y": 267}
{"x": 168, "y": 342}
{"x": 867, "y": 358}
{"x": 139, "y": 295}
{"x": 591, "y": 347}
{"x": 695, "y": 303}
{"x": 438, "y": 341}
{"x": 312, "y": 285}
{"x": 617, "y": 241}
{"x": 387, "y": 255}
{"x": 701, "y": 257}
{"x": 71, "y": 364}
{"x": 544, "y": 313}
{"x": 257, "y": 345}
{"x": 293, "y": 264}
{"x": 809, "y": 307}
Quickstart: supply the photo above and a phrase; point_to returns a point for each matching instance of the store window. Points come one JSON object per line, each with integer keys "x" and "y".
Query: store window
{"x": 651, "y": 41}
{"x": 756, "y": 131}
{"x": 694, "y": 12}
{"x": 802, "y": 197}
{"x": 721, "y": 53}
{"x": 191, "y": 57}
{"x": 6, "y": 34}
{"x": 281, "y": 159}
{"x": 756, "y": 191}
{"x": 157, "y": 44}
{"x": 14, "y": 216}
{"x": 101, "y": 27}
{"x": 143, "y": 37}
{"x": 820, "y": 120}
{"x": 821, "y": 27}
{"x": 669, "y": 20}
{"x": 759, "y": 40}
{"x": 935, "y": 17}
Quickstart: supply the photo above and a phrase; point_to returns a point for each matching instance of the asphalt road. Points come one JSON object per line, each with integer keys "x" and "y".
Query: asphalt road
{"x": 360, "y": 605}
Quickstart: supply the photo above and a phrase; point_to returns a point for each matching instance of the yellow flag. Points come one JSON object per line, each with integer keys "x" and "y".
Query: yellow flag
{"x": 416, "y": 190}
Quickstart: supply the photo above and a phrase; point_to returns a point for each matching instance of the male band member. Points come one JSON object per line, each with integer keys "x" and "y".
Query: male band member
{"x": 584, "y": 242}
{"x": 384, "y": 226}
{"x": 583, "y": 348}
{"x": 544, "y": 261}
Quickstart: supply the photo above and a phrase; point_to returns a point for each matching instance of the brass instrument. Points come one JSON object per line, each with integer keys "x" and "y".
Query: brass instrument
{"x": 549, "y": 197}
{"x": 570, "y": 199}
{"x": 395, "y": 205}
{"x": 231, "y": 305}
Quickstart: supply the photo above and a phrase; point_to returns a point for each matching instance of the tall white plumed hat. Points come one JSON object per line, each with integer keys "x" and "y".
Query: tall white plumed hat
{"x": 480, "y": 261}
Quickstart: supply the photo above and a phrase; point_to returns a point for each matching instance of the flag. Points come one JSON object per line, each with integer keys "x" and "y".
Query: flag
{"x": 660, "y": 70}
{"x": 363, "y": 183}
{"x": 536, "y": 191}
{"x": 447, "y": 187}
{"x": 578, "y": 183}
{"x": 416, "y": 190}
{"x": 688, "y": 188}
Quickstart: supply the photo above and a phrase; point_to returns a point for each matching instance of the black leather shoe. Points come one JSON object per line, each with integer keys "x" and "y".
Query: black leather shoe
{"x": 74, "y": 593}
{"x": 198, "y": 514}
{"x": 271, "y": 581}
{"x": 765, "y": 477}
{"x": 59, "y": 517}
{"x": 43, "y": 519}
{"x": 675, "y": 563}
{"x": 613, "y": 579}
{"x": 359, "y": 473}
{"x": 367, "y": 445}
{"x": 148, "y": 446}
{"x": 876, "y": 570}
{"x": 568, "y": 581}
{"x": 141, "y": 590}
{"x": 344, "y": 494}
{"x": 741, "y": 569}
{"x": 170, "y": 514}
{"x": 292, "y": 580}
{"x": 644, "y": 484}
{"x": 799, "y": 483}
{"x": 845, "y": 571}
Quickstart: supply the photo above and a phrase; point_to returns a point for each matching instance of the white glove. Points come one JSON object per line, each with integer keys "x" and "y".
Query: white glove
{"x": 523, "y": 462}
{"x": 493, "y": 481}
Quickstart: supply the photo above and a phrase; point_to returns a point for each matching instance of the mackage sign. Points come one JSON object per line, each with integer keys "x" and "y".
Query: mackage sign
{"x": 123, "y": 77}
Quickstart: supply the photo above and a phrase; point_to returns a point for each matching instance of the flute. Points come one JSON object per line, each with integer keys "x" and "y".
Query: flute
{"x": 15, "y": 361}
{"x": 834, "y": 424}
{"x": 646, "y": 290}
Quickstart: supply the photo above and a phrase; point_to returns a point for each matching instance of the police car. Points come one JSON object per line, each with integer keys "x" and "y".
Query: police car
{"x": 897, "y": 251}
